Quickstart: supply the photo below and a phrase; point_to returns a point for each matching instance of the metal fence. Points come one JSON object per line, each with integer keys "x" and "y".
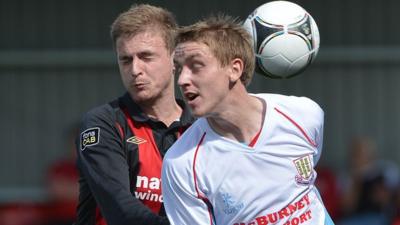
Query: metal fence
{"x": 46, "y": 83}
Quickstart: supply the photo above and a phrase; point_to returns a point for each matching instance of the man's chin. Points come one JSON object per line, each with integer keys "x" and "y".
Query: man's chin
{"x": 196, "y": 112}
{"x": 142, "y": 98}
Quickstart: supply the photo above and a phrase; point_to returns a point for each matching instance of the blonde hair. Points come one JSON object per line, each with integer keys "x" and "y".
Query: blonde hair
{"x": 140, "y": 18}
{"x": 227, "y": 40}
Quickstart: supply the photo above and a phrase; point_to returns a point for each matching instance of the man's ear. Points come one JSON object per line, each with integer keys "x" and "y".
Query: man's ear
{"x": 236, "y": 70}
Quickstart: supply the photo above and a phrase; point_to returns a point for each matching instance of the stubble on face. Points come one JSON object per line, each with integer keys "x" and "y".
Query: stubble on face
{"x": 145, "y": 65}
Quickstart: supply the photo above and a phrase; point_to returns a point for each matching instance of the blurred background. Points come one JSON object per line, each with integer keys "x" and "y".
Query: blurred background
{"x": 57, "y": 61}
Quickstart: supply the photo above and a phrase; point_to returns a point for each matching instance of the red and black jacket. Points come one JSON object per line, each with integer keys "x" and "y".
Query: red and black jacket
{"x": 120, "y": 153}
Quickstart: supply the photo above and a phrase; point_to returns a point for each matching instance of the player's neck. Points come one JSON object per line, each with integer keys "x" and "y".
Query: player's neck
{"x": 164, "y": 109}
{"x": 241, "y": 120}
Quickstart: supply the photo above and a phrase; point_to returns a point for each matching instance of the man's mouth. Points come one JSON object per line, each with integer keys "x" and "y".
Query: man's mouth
{"x": 191, "y": 96}
{"x": 139, "y": 85}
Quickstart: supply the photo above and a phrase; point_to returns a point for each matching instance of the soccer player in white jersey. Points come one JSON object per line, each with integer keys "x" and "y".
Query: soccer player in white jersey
{"x": 249, "y": 159}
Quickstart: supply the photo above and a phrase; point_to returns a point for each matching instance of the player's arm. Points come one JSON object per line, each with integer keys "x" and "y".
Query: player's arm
{"x": 181, "y": 200}
{"x": 103, "y": 163}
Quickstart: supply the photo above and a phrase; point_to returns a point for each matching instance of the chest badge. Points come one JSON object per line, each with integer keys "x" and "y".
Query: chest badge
{"x": 304, "y": 170}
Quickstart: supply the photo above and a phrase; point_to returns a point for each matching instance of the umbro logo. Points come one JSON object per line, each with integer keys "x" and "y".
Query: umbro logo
{"x": 136, "y": 140}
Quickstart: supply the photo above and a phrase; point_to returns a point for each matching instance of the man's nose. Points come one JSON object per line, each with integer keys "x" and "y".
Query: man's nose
{"x": 137, "y": 67}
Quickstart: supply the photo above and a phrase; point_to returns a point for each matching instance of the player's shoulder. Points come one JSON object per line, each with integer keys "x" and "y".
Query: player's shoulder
{"x": 295, "y": 104}
{"x": 300, "y": 109}
{"x": 101, "y": 114}
{"x": 291, "y": 100}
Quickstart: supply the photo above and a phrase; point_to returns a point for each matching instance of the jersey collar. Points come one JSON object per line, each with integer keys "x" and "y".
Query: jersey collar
{"x": 138, "y": 115}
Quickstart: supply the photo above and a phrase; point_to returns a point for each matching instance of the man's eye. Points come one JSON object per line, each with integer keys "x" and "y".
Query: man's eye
{"x": 196, "y": 66}
{"x": 146, "y": 56}
{"x": 125, "y": 61}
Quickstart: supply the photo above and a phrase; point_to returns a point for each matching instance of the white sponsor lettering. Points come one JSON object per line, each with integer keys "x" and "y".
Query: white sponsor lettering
{"x": 149, "y": 196}
{"x": 153, "y": 183}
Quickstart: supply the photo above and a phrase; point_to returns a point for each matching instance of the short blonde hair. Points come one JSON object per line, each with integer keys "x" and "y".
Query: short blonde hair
{"x": 142, "y": 17}
{"x": 227, "y": 40}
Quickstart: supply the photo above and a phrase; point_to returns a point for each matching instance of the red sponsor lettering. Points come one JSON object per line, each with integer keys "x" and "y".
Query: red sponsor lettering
{"x": 273, "y": 217}
{"x": 292, "y": 208}
{"x": 283, "y": 213}
{"x": 295, "y": 221}
{"x": 303, "y": 218}
{"x": 307, "y": 199}
{"x": 300, "y": 205}
{"x": 299, "y": 220}
{"x": 289, "y": 210}
{"x": 308, "y": 215}
{"x": 262, "y": 220}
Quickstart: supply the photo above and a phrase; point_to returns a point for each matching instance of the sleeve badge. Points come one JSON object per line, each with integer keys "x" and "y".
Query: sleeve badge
{"x": 89, "y": 137}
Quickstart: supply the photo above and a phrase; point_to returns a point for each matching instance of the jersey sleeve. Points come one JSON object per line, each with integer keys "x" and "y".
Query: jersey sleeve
{"x": 314, "y": 124}
{"x": 102, "y": 162}
{"x": 309, "y": 116}
{"x": 181, "y": 200}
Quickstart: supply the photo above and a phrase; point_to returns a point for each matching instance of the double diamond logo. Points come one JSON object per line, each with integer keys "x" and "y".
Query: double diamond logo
{"x": 136, "y": 140}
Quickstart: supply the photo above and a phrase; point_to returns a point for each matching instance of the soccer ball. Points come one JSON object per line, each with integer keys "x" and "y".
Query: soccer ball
{"x": 285, "y": 38}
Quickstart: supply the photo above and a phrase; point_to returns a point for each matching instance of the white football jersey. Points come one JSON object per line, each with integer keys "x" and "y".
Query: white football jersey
{"x": 209, "y": 179}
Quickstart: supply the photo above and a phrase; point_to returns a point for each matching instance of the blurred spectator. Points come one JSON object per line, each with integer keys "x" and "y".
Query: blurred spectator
{"x": 396, "y": 211}
{"x": 328, "y": 187}
{"x": 62, "y": 186}
{"x": 367, "y": 197}
{"x": 63, "y": 193}
{"x": 361, "y": 158}
{"x": 21, "y": 213}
